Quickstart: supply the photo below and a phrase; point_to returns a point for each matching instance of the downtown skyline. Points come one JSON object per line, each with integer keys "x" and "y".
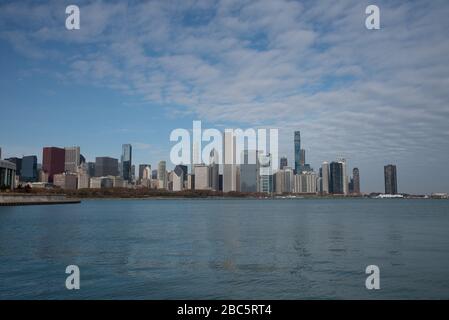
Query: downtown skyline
{"x": 373, "y": 98}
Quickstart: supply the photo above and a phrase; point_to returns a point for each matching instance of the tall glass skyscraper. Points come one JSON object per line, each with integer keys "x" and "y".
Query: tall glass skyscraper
{"x": 29, "y": 169}
{"x": 336, "y": 178}
{"x": 391, "y": 182}
{"x": 126, "y": 161}
{"x": 298, "y": 152}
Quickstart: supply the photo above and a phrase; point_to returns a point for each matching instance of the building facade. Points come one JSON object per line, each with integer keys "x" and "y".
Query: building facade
{"x": 336, "y": 178}
{"x": 71, "y": 159}
{"x": 297, "y": 141}
{"x": 126, "y": 162}
{"x": 7, "y": 175}
{"x": 390, "y": 177}
{"x": 29, "y": 169}
{"x": 106, "y": 166}
{"x": 53, "y": 161}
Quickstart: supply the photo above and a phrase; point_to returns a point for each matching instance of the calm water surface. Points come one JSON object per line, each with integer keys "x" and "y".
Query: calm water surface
{"x": 226, "y": 249}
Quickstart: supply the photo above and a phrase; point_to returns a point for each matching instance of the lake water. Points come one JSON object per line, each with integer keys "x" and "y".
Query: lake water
{"x": 226, "y": 249}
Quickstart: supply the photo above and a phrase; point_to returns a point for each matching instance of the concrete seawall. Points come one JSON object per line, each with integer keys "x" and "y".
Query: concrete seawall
{"x": 25, "y": 199}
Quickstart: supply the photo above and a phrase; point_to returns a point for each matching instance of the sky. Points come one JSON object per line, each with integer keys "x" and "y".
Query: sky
{"x": 136, "y": 70}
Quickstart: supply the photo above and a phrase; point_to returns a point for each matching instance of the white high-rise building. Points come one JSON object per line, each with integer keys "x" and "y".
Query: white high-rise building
{"x": 229, "y": 166}
{"x": 72, "y": 159}
{"x": 306, "y": 182}
{"x": 345, "y": 176}
{"x": 202, "y": 177}
{"x": 265, "y": 173}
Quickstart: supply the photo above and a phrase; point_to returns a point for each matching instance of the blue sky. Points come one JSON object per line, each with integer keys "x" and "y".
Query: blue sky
{"x": 137, "y": 70}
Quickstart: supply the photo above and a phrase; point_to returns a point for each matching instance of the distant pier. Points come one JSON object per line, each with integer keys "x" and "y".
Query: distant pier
{"x": 28, "y": 200}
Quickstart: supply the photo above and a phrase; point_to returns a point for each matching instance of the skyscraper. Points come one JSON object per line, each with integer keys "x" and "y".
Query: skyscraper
{"x": 229, "y": 166}
{"x": 53, "y": 161}
{"x": 106, "y": 166}
{"x": 391, "y": 183}
{"x": 302, "y": 162}
{"x": 344, "y": 175}
{"x": 283, "y": 163}
{"x": 202, "y": 179}
{"x": 214, "y": 175}
{"x": 356, "y": 181}
{"x": 249, "y": 172}
{"x": 162, "y": 175}
{"x": 29, "y": 169}
{"x": 265, "y": 173}
{"x": 142, "y": 168}
{"x": 71, "y": 159}
{"x": 126, "y": 162}
{"x": 325, "y": 177}
{"x": 297, "y": 152}
{"x": 336, "y": 178}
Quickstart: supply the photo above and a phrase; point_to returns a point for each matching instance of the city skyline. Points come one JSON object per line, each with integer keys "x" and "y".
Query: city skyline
{"x": 67, "y": 167}
{"x": 371, "y": 97}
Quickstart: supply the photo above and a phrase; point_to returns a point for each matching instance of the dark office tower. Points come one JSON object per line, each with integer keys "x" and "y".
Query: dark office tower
{"x": 91, "y": 169}
{"x": 297, "y": 152}
{"x": 283, "y": 163}
{"x": 105, "y": 166}
{"x": 29, "y": 169}
{"x": 336, "y": 178}
{"x": 141, "y": 169}
{"x": 184, "y": 169}
{"x": 18, "y": 163}
{"x": 391, "y": 182}
{"x": 154, "y": 174}
{"x": 53, "y": 160}
{"x": 356, "y": 181}
{"x": 126, "y": 161}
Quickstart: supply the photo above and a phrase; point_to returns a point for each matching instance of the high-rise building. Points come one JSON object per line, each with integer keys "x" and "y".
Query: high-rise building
{"x": 106, "y": 166}
{"x": 162, "y": 175}
{"x": 142, "y": 168}
{"x": 178, "y": 179}
{"x": 249, "y": 171}
{"x": 201, "y": 172}
{"x": 306, "y": 182}
{"x": 126, "y": 162}
{"x": 336, "y": 178}
{"x": 91, "y": 169}
{"x": 29, "y": 169}
{"x": 325, "y": 177}
{"x": 391, "y": 183}
{"x": 265, "y": 173}
{"x": 302, "y": 161}
{"x": 53, "y": 161}
{"x": 66, "y": 181}
{"x": 355, "y": 181}
{"x": 278, "y": 181}
{"x": 283, "y": 163}
{"x": 345, "y": 176}
{"x": 297, "y": 152}
{"x": 214, "y": 174}
{"x": 229, "y": 166}
{"x": 72, "y": 159}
